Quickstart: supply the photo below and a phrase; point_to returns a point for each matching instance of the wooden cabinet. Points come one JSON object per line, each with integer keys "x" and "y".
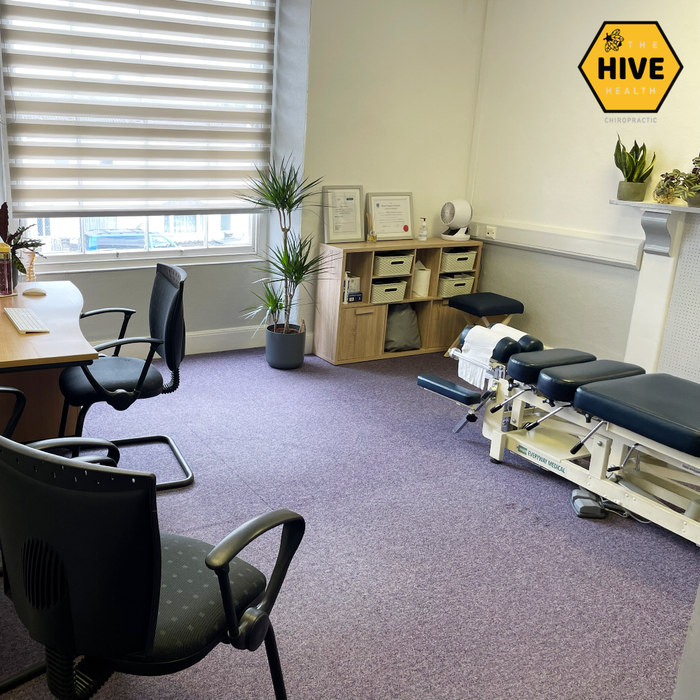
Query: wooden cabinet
{"x": 355, "y": 332}
{"x": 361, "y": 332}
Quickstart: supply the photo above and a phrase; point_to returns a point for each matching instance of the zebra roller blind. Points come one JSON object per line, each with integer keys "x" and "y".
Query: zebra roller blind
{"x": 137, "y": 106}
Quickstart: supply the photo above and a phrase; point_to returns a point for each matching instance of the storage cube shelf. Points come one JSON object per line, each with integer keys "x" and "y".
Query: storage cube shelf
{"x": 355, "y": 332}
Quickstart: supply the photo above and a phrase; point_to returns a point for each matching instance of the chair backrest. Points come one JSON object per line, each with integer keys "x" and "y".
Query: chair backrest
{"x": 81, "y": 552}
{"x": 166, "y": 315}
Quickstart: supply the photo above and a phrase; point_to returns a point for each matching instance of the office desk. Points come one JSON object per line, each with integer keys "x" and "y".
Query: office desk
{"x": 33, "y": 362}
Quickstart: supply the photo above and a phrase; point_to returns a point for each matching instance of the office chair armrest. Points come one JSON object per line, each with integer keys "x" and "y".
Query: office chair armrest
{"x": 121, "y": 399}
{"x": 80, "y": 442}
{"x": 127, "y": 341}
{"x": 128, "y": 313}
{"x": 218, "y": 559}
{"x": 20, "y": 403}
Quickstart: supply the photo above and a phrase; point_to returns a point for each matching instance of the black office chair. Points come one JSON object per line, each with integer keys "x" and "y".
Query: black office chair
{"x": 122, "y": 380}
{"x": 110, "y": 459}
{"x": 17, "y": 409}
{"x": 90, "y": 574}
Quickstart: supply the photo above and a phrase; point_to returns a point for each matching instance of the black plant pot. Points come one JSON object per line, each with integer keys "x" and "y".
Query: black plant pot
{"x": 284, "y": 350}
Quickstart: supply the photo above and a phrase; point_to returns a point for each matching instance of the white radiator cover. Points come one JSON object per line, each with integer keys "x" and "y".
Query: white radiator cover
{"x": 680, "y": 349}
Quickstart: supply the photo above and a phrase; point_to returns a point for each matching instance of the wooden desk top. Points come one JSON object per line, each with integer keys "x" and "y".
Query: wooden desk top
{"x": 60, "y": 311}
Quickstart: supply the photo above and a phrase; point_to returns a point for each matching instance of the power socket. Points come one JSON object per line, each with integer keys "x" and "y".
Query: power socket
{"x": 491, "y": 232}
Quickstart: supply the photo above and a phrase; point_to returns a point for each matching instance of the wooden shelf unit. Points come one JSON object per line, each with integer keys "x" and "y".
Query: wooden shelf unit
{"x": 345, "y": 333}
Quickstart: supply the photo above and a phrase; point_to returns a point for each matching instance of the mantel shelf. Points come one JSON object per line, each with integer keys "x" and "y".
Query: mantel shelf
{"x": 655, "y": 218}
{"x": 655, "y": 206}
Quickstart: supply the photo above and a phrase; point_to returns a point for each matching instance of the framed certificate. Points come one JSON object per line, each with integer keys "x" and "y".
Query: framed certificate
{"x": 342, "y": 214}
{"x": 392, "y": 215}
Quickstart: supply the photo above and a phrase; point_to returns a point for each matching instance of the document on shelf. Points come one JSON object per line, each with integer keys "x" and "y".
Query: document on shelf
{"x": 391, "y": 215}
{"x": 344, "y": 211}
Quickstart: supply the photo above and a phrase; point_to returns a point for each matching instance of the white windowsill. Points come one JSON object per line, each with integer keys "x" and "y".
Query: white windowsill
{"x": 136, "y": 260}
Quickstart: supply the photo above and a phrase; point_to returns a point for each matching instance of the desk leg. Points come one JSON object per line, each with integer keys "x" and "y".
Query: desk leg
{"x": 42, "y": 415}
{"x": 22, "y": 677}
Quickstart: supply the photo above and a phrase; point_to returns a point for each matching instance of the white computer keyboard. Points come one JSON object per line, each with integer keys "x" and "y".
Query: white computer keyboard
{"x": 25, "y": 320}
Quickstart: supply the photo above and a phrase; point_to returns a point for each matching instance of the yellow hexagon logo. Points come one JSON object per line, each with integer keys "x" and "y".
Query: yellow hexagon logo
{"x": 630, "y": 66}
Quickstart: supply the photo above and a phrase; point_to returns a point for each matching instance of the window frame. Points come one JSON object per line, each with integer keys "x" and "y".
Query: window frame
{"x": 61, "y": 263}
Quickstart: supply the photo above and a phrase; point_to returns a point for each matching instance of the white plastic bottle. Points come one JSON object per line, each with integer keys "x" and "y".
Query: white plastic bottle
{"x": 423, "y": 230}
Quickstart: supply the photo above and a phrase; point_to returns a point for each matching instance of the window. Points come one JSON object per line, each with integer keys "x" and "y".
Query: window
{"x": 132, "y": 124}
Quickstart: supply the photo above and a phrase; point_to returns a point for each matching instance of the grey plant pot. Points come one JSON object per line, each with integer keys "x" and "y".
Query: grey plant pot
{"x": 284, "y": 350}
{"x": 632, "y": 191}
{"x": 694, "y": 201}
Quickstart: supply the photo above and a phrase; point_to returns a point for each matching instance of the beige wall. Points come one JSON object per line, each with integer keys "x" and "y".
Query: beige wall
{"x": 392, "y": 94}
{"x": 545, "y": 152}
{"x": 568, "y": 303}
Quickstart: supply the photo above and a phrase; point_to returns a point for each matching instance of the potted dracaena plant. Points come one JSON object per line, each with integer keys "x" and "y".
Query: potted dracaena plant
{"x": 634, "y": 168}
{"x": 17, "y": 243}
{"x": 282, "y": 188}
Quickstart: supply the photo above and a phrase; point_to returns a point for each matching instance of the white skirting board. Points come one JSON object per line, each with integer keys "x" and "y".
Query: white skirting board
{"x": 217, "y": 340}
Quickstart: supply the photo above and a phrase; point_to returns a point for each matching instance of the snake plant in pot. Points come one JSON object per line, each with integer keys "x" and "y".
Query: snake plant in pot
{"x": 283, "y": 189}
{"x": 634, "y": 168}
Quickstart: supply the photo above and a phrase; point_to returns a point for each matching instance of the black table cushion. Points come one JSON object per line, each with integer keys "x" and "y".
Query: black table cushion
{"x": 112, "y": 373}
{"x": 190, "y": 612}
{"x": 560, "y": 383}
{"x": 449, "y": 389}
{"x": 660, "y": 407}
{"x": 486, "y": 304}
{"x": 525, "y": 367}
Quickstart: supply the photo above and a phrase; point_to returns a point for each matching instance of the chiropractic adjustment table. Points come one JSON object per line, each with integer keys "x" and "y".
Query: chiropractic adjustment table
{"x": 628, "y": 440}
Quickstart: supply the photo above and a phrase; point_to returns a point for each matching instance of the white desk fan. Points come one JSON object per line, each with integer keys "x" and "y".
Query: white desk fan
{"x": 457, "y": 214}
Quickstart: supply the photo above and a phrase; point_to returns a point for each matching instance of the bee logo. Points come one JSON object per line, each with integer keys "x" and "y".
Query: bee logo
{"x": 613, "y": 41}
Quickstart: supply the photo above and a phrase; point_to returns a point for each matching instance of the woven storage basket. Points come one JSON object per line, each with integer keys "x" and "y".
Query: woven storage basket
{"x": 449, "y": 286}
{"x": 457, "y": 262}
{"x": 385, "y": 292}
{"x": 392, "y": 265}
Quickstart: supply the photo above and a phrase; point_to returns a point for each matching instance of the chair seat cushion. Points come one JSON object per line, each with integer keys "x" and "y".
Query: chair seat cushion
{"x": 560, "y": 383}
{"x": 660, "y": 407}
{"x": 112, "y": 373}
{"x": 525, "y": 367}
{"x": 190, "y": 613}
{"x": 486, "y": 304}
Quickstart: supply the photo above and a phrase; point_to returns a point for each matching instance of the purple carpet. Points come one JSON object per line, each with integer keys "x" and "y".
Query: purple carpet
{"x": 426, "y": 571}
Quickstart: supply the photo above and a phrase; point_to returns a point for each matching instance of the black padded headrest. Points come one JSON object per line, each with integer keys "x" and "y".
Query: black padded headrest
{"x": 463, "y": 334}
{"x": 505, "y": 347}
{"x": 528, "y": 343}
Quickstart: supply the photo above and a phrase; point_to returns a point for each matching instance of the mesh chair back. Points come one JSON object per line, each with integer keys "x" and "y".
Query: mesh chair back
{"x": 81, "y": 552}
{"x": 166, "y": 314}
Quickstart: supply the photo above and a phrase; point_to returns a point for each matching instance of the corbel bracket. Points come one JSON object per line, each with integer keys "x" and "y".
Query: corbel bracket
{"x": 658, "y": 237}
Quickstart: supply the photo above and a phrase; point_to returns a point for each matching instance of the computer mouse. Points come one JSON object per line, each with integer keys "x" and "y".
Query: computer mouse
{"x": 34, "y": 292}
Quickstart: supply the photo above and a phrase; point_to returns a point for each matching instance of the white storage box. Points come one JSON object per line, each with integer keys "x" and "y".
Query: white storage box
{"x": 392, "y": 264}
{"x": 457, "y": 261}
{"x": 451, "y": 285}
{"x": 386, "y": 292}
